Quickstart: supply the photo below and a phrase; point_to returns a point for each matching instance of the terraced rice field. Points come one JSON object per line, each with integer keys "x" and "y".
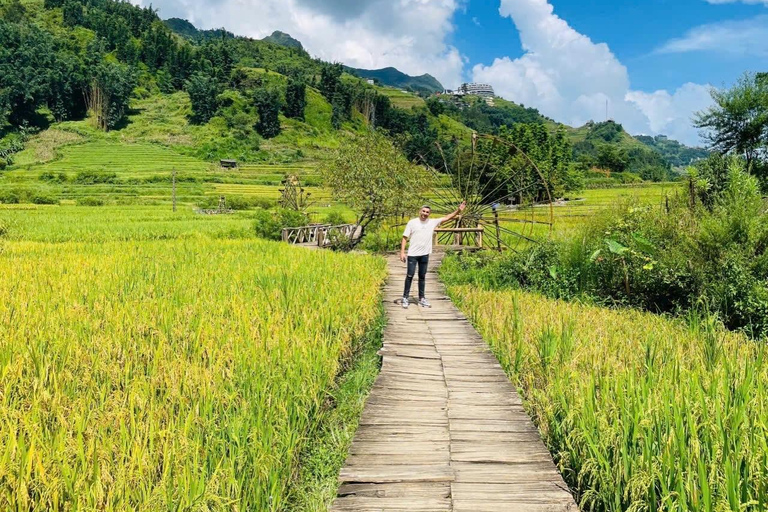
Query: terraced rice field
{"x": 126, "y": 173}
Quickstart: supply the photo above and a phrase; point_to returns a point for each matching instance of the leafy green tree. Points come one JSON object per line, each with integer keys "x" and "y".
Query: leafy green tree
{"x": 27, "y": 60}
{"x": 337, "y": 112}
{"x": 295, "y": 98}
{"x": 371, "y": 176}
{"x": 738, "y": 122}
{"x": 612, "y": 157}
{"x": 330, "y": 78}
{"x": 72, "y": 13}
{"x": 267, "y": 101}
{"x": 13, "y": 11}
{"x": 67, "y": 88}
{"x": 203, "y": 93}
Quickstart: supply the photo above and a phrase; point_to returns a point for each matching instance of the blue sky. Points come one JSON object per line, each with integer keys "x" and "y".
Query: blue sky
{"x": 652, "y": 62}
{"x": 633, "y": 31}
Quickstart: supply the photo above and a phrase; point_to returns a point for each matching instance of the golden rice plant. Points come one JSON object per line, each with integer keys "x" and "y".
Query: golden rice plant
{"x": 178, "y": 375}
{"x": 641, "y": 412}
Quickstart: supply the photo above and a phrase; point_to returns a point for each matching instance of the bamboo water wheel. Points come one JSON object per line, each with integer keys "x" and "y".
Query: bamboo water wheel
{"x": 506, "y": 194}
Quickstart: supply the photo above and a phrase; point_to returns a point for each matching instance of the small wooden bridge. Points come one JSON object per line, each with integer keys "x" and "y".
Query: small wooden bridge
{"x": 320, "y": 235}
{"x": 443, "y": 429}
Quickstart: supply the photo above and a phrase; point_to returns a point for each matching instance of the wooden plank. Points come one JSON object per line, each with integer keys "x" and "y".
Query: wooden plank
{"x": 397, "y": 473}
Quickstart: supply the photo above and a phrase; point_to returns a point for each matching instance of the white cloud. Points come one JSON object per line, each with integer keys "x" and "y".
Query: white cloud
{"x": 740, "y": 37}
{"x": 407, "y": 34}
{"x": 671, "y": 113}
{"x": 753, "y": 2}
{"x": 569, "y": 78}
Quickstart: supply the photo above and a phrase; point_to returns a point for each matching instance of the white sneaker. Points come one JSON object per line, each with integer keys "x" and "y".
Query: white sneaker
{"x": 423, "y": 302}
{"x": 405, "y": 302}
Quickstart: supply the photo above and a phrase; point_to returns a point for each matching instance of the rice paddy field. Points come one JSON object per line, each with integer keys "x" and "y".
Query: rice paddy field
{"x": 641, "y": 412}
{"x": 158, "y": 361}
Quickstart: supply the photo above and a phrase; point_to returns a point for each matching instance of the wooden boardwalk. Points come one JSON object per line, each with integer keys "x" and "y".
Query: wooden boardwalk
{"x": 443, "y": 428}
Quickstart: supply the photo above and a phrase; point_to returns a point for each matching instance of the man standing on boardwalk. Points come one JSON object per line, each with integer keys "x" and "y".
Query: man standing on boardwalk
{"x": 419, "y": 231}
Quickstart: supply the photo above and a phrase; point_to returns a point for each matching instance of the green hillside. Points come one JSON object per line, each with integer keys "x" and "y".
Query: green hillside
{"x": 423, "y": 84}
{"x": 677, "y": 154}
{"x": 182, "y": 99}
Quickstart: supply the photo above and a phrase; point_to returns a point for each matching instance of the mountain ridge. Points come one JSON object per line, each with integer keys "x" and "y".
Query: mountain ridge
{"x": 393, "y": 77}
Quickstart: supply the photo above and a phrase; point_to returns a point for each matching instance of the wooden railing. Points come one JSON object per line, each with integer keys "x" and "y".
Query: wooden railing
{"x": 302, "y": 234}
{"x": 459, "y": 235}
{"x": 320, "y": 234}
{"x": 328, "y": 234}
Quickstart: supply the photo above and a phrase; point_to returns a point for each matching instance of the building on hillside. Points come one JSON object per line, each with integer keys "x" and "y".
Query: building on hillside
{"x": 484, "y": 90}
{"x": 370, "y": 81}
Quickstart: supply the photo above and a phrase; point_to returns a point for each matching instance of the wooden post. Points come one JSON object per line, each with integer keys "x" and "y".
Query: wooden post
{"x": 692, "y": 192}
{"x": 174, "y": 189}
{"x": 498, "y": 228}
{"x": 480, "y": 239}
{"x": 320, "y": 237}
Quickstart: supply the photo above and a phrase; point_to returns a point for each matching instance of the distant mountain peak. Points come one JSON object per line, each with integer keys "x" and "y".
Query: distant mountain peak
{"x": 283, "y": 39}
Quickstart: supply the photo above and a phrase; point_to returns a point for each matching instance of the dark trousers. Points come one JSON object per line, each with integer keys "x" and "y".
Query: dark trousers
{"x": 421, "y": 261}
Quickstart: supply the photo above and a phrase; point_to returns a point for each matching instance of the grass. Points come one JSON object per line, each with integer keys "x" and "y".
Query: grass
{"x": 145, "y": 365}
{"x": 400, "y": 98}
{"x": 322, "y": 460}
{"x": 642, "y": 413}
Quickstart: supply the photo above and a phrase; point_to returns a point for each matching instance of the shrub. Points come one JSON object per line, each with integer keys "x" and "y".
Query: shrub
{"x": 95, "y": 177}
{"x": 90, "y": 201}
{"x": 3, "y": 164}
{"x": 53, "y": 177}
{"x": 10, "y": 197}
{"x": 42, "y": 198}
{"x": 269, "y": 224}
{"x": 334, "y": 218}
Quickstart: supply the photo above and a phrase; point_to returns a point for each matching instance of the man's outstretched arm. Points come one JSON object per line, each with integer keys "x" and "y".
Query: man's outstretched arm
{"x": 402, "y": 248}
{"x": 454, "y": 214}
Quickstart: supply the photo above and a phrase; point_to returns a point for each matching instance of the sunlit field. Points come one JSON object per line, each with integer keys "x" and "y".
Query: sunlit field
{"x": 641, "y": 412}
{"x": 149, "y": 362}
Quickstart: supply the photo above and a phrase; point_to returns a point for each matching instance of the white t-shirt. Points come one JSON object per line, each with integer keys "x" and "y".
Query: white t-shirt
{"x": 420, "y": 235}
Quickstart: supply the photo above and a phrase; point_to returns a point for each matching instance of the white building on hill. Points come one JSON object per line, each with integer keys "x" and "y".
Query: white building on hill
{"x": 484, "y": 90}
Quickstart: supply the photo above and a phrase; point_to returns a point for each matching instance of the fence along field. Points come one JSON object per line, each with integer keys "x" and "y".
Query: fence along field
{"x": 178, "y": 374}
{"x": 643, "y": 413}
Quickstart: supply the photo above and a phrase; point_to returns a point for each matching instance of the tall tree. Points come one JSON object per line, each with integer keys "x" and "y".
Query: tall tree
{"x": 738, "y": 121}
{"x": 27, "y": 59}
{"x": 372, "y": 177}
{"x": 268, "y": 104}
{"x": 203, "y": 93}
{"x": 72, "y": 13}
{"x": 295, "y": 98}
{"x": 330, "y": 78}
